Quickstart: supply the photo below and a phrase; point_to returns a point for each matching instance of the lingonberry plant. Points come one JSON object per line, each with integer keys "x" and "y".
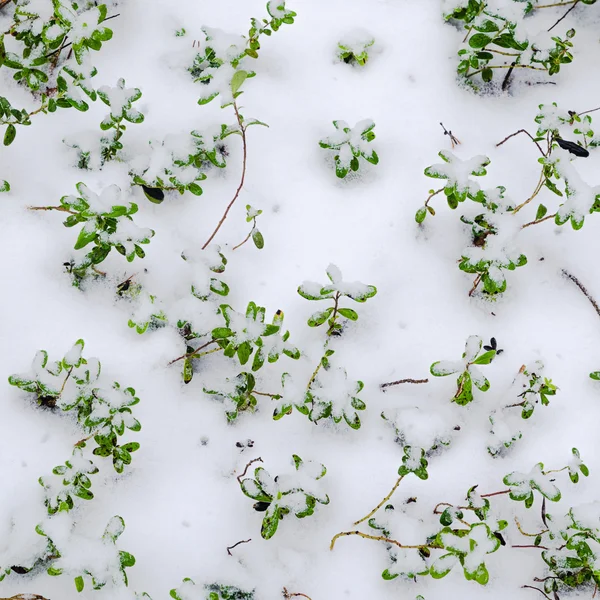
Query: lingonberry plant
{"x": 107, "y": 224}
{"x": 212, "y": 591}
{"x": 278, "y": 496}
{"x": 354, "y": 47}
{"x": 470, "y": 532}
{"x": 494, "y": 231}
{"x": 33, "y": 49}
{"x": 506, "y": 424}
{"x": 103, "y": 411}
{"x": 468, "y": 370}
{"x": 350, "y": 144}
{"x": 497, "y": 40}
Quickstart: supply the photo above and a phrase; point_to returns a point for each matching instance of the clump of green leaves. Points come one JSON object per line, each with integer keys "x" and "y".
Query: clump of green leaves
{"x": 103, "y": 412}
{"x": 257, "y": 237}
{"x": 278, "y": 496}
{"x": 354, "y": 48}
{"x": 350, "y": 144}
{"x": 119, "y": 99}
{"x": 212, "y": 591}
{"x": 534, "y": 389}
{"x": 107, "y": 224}
{"x": 335, "y": 290}
{"x": 110, "y": 562}
{"x": 467, "y": 367}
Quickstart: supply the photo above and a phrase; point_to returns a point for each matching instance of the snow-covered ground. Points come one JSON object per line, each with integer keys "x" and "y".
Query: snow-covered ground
{"x": 179, "y": 498}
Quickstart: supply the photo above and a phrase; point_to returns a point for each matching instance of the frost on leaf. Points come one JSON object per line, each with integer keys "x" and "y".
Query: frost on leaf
{"x": 458, "y": 175}
{"x": 522, "y": 485}
{"x": 297, "y": 493}
{"x": 333, "y": 395}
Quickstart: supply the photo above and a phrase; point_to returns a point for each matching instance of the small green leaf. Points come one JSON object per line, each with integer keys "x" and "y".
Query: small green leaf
{"x": 237, "y": 80}
{"x": 258, "y": 239}
{"x": 348, "y": 313}
{"x": 79, "y": 583}
{"x": 9, "y": 135}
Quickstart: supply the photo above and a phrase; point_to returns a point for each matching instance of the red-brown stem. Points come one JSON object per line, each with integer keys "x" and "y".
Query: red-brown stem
{"x": 495, "y": 494}
{"x": 389, "y": 383}
{"x": 239, "y": 189}
{"x": 538, "y": 221}
{"x": 517, "y": 133}
{"x": 239, "y": 477}
{"x": 475, "y": 284}
{"x": 229, "y": 548}
{"x": 191, "y": 354}
{"x": 531, "y": 587}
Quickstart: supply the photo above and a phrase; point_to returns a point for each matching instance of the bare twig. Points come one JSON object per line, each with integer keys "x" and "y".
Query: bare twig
{"x": 244, "y": 241}
{"x": 59, "y": 208}
{"x": 287, "y": 595}
{"x": 379, "y": 538}
{"x": 538, "y": 221}
{"x": 517, "y": 133}
{"x": 241, "y": 185}
{"x": 495, "y": 494}
{"x": 390, "y": 383}
{"x": 564, "y": 16}
{"x": 475, "y": 284}
{"x": 538, "y": 187}
{"x": 3, "y": 3}
{"x": 194, "y": 353}
{"x": 229, "y": 548}
{"x": 585, "y": 112}
{"x": 239, "y": 477}
{"x": 531, "y": 546}
{"x": 382, "y": 502}
{"x": 453, "y": 139}
{"x": 583, "y": 290}
{"x": 531, "y": 587}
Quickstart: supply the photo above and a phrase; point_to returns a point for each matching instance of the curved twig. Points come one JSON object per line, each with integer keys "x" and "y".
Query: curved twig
{"x": 229, "y": 548}
{"x": 583, "y": 290}
{"x": 382, "y": 502}
{"x": 390, "y": 383}
{"x": 239, "y": 477}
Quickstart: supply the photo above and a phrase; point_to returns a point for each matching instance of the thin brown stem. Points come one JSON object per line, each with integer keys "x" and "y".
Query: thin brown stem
{"x": 531, "y": 587}
{"x": 556, "y": 4}
{"x": 575, "y": 3}
{"x": 241, "y": 185}
{"x": 242, "y": 243}
{"x": 583, "y": 290}
{"x": 59, "y": 208}
{"x": 382, "y": 502}
{"x": 511, "y": 66}
{"x": 585, "y": 112}
{"x": 538, "y": 221}
{"x": 288, "y": 595}
{"x": 517, "y": 133}
{"x": 194, "y": 353}
{"x": 432, "y": 195}
{"x": 538, "y": 187}
{"x": 379, "y": 538}
{"x": 472, "y": 290}
{"x": 239, "y": 477}
{"x": 525, "y": 533}
{"x": 495, "y": 494}
{"x": 265, "y": 394}
{"x": 530, "y": 546}
{"x": 390, "y": 383}
{"x": 230, "y": 548}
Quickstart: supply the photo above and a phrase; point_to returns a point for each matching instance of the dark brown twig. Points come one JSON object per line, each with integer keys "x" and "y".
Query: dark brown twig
{"x": 517, "y": 133}
{"x": 287, "y": 595}
{"x": 475, "y": 284}
{"x": 453, "y": 139}
{"x": 3, "y": 3}
{"x": 389, "y": 383}
{"x": 239, "y": 477}
{"x": 570, "y": 9}
{"x": 229, "y": 548}
{"x": 538, "y": 221}
{"x": 583, "y": 290}
{"x": 495, "y": 494}
{"x": 192, "y": 354}
{"x": 241, "y": 185}
{"x": 531, "y": 587}
{"x": 531, "y": 546}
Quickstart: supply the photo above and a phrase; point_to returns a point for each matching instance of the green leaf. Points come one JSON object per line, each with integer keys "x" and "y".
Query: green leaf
{"x": 9, "y": 135}
{"x": 487, "y": 74}
{"x": 79, "y": 583}
{"x": 84, "y": 238}
{"x": 348, "y": 313}
{"x": 486, "y": 358}
{"x": 237, "y": 80}
{"x": 320, "y": 317}
{"x": 421, "y": 214}
{"x": 258, "y": 239}
{"x": 595, "y": 375}
{"x": 541, "y": 211}
{"x": 479, "y": 40}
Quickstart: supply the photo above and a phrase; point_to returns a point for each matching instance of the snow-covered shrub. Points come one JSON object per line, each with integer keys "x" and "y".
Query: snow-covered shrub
{"x": 278, "y": 496}
{"x": 32, "y": 49}
{"x": 353, "y": 48}
{"x": 107, "y": 224}
{"x": 494, "y": 241}
{"x": 335, "y": 290}
{"x": 350, "y": 144}
{"x": 499, "y": 40}
{"x": 470, "y": 532}
{"x": 467, "y": 367}
{"x": 506, "y": 423}
{"x": 102, "y": 410}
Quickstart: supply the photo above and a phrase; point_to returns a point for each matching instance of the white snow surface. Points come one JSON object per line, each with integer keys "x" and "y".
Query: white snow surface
{"x": 179, "y": 498}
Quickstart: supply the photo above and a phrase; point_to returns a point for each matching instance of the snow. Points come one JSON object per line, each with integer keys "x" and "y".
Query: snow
{"x": 179, "y": 498}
